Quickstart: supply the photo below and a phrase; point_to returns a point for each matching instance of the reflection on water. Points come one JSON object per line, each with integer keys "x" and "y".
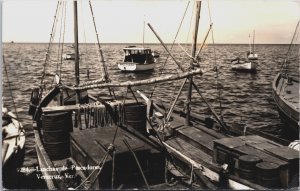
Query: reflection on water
{"x": 245, "y": 98}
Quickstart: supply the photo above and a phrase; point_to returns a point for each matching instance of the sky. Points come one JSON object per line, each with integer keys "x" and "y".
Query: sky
{"x": 122, "y": 21}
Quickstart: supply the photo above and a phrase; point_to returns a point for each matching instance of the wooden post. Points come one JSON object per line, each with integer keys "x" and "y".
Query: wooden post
{"x": 77, "y": 77}
{"x": 76, "y": 50}
{"x": 194, "y": 46}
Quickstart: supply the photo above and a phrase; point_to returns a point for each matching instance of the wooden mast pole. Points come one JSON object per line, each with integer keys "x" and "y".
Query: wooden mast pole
{"x": 76, "y": 51}
{"x": 253, "y": 41}
{"x": 194, "y": 46}
{"x": 77, "y": 77}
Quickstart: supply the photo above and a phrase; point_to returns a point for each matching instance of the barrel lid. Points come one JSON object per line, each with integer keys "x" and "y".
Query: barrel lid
{"x": 267, "y": 165}
{"x": 249, "y": 158}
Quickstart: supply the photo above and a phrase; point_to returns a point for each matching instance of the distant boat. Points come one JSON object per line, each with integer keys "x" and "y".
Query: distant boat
{"x": 244, "y": 66}
{"x": 251, "y": 55}
{"x": 285, "y": 89}
{"x": 69, "y": 56}
{"x": 13, "y": 150}
{"x": 137, "y": 59}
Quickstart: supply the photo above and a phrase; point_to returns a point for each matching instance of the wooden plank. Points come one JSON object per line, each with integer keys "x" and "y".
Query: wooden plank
{"x": 193, "y": 153}
{"x": 197, "y": 138}
{"x": 140, "y": 82}
{"x": 284, "y": 153}
{"x": 94, "y": 142}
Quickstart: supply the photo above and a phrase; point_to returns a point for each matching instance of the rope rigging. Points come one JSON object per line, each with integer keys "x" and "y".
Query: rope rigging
{"x": 52, "y": 34}
{"x": 85, "y": 44}
{"x": 216, "y": 67}
{"x": 285, "y": 64}
{"x": 60, "y": 45}
{"x": 63, "y": 40}
{"x": 164, "y": 65}
{"x": 104, "y": 67}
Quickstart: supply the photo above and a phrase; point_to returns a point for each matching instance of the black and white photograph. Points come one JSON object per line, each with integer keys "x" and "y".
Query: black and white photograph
{"x": 150, "y": 94}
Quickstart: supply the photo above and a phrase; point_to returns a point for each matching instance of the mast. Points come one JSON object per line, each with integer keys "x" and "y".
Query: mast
{"x": 249, "y": 44}
{"x": 143, "y": 33}
{"x": 253, "y": 40}
{"x": 76, "y": 51}
{"x": 194, "y": 46}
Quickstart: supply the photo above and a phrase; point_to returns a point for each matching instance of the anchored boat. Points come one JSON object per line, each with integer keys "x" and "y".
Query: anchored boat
{"x": 243, "y": 66}
{"x": 69, "y": 56}
{"x": 84, "y": 141}
{"x": 251, "y": 55}
{"x": 285, "y": 88}
{"x": 137, "y": 59}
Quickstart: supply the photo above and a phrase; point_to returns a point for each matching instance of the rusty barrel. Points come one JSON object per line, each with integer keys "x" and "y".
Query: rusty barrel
{"x": 268, "y": 174}
{"x": 247, "y": 166}
{"x": 135, "y": 116}
{"x": 56, "y": 134}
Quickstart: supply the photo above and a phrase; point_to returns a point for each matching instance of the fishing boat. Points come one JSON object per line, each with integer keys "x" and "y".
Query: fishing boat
{"x": 115, "y": 142}
{"x": 251, "y": 55}
{"x": 13, "y": 147}
{"x": 285, "y": 90}
{"x": 242, "y": 65}
{"x": 84, "y": 142}
{"x": 137, "y": 59}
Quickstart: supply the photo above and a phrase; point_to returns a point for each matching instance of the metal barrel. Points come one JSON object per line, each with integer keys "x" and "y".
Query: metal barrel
{"x": 135, "y": 116}
{"x": 56, "y": 134}
{"x": 247, "y": 166}
{"x": 268, "y": 174}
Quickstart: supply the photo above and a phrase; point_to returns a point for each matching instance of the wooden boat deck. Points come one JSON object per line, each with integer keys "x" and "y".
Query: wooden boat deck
{"x": 198, "y": 146}
{"x": 95, "y": 141}
{"x": 289, "y": 92}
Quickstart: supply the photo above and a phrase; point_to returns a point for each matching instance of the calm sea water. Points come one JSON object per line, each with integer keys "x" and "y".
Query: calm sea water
{"x": 245, "y": 98}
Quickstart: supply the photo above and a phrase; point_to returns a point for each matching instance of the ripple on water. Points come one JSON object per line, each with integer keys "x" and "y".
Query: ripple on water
{"x": 245, "y": 97}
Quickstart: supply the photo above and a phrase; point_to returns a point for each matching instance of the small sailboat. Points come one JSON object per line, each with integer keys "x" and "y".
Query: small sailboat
{"x": 69, "y": 56}
{"x": 242, "y": 65}
{"x": 251, "y": 55}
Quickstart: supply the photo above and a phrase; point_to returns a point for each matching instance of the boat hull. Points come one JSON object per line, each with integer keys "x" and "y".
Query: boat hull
{"x": 132, "y": 67}
{"x": 13, "y": 151}
{"x": 253, "y": 57}
{"x": 246, "y": 67}
{"x": 288, "y": 112}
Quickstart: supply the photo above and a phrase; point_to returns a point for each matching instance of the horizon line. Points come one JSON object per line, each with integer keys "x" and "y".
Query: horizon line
{"x": 12, "y": 42}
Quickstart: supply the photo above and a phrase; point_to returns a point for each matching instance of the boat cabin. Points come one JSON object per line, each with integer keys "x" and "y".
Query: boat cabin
{"x": 138, "y": 55}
